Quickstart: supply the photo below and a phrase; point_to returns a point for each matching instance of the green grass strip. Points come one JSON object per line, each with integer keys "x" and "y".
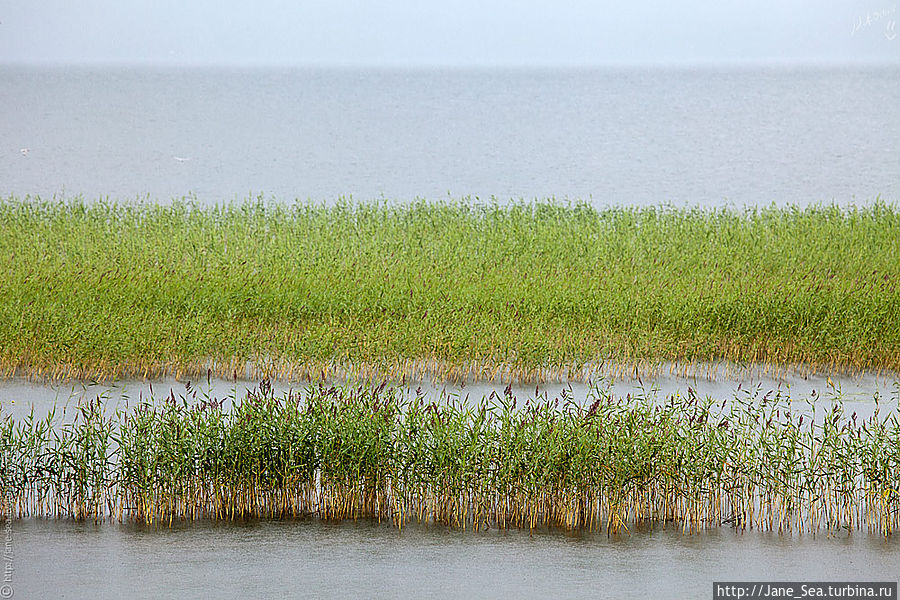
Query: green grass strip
{"x": 104, "y": 290}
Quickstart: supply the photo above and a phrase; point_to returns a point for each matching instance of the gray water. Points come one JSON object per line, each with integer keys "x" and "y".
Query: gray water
{"x": 314, "y": 559}
{"x": 699, "y": 137}
{"x": 860, "y": 394}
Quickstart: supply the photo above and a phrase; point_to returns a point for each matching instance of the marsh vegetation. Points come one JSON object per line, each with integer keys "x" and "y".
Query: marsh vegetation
{"x": 452, "y": 289}
{"x": 371, "y": 452}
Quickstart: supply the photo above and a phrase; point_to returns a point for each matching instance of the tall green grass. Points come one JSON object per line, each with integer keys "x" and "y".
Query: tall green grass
{"x": 373, "y": 452}
{"x": 460, "y": 289}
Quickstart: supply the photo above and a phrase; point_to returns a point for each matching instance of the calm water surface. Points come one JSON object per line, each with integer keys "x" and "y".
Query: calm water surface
{"x": 312, "y": 559}
{"x": 702, "y": 137}
{"x": 20, "y": 397}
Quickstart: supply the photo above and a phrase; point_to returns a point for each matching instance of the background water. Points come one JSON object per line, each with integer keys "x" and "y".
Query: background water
{"x": 742, "y": 136}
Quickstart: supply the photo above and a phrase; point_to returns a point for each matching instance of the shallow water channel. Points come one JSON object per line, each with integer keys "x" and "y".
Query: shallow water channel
{"x": 310, "y": 558}
{"x": 18, "y": 397}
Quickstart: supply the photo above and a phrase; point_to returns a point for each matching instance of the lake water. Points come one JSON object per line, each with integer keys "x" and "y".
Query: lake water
{"x": 314, "y": 559}
{"x": 699, "y": 137}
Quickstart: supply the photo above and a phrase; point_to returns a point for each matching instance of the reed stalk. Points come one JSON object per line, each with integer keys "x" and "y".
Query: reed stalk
{"x": 376, "y": 452}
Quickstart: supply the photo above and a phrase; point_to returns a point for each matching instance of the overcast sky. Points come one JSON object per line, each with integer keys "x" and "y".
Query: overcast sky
{"x": 458, "y": 33}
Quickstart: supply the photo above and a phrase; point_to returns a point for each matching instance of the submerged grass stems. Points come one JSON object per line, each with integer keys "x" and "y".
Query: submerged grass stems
{"x": 372, "y": 452}
{"x": 452, "y": 290}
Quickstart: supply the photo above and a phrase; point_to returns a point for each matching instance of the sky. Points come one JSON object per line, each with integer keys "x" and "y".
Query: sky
{"x": 448, "y": 33}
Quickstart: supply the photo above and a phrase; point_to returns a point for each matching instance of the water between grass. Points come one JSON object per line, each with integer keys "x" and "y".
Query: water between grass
{"x": 18, "y": 396}
{"x": 314, "y": 559}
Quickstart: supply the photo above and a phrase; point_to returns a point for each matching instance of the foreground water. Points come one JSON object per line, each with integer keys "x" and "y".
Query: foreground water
{"x": 365, "y": 559}
{"x": 742, "y": 136}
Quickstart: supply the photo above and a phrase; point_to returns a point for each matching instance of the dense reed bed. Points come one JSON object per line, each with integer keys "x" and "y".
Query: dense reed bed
{"x": 373, "y": 452}
{"x": 453, "y": 290}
